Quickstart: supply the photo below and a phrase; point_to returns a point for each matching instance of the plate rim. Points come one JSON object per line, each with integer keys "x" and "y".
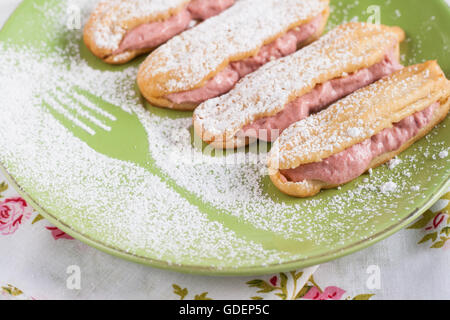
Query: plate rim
{"x": 227, "y": 271}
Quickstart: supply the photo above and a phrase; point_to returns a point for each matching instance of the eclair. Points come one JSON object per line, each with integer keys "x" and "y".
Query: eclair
{"x": 360, "y": 132}
{"x": 120, "y": 30}
{"x": 208, "y": 60}
{"x": 285, "y": 91}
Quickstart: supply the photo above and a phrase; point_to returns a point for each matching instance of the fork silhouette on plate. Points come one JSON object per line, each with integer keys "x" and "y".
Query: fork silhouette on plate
{"x": 109, "y": 130}
{"x": 105, "y": 127}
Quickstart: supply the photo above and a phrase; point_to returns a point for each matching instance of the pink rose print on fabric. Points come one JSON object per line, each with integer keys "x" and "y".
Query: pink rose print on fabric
{"x": 58, "y": 234}
{"x": 274, "y": 281}
{"x": 330, "y": 293}
{"x": 437, "y": 221}
{"x": 13, "y": 212}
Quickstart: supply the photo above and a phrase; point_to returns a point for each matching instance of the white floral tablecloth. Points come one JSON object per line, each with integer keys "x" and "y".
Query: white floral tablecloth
{"x": 38, "y": 261}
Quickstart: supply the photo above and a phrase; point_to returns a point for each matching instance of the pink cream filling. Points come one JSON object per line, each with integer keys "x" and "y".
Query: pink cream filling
{"x": 151, "y": 35}
{"x": 269, "y": 128}
{"x": 354, "y": 161}
{"x": 227, "y": 79}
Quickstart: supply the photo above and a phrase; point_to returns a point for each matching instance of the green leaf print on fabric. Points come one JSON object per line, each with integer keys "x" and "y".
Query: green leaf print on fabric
{"x": 278, "y": 286}
{"x": 183, "y": 293}
{"x": 11, "y": 290}
{"x": 436, "y": 225}
{"x": 428, "y": 237}
{"x": 203, "y": 296}
{"x": 262, "y": 285}
{"x": 441, "y": 243}
{"x": 3, "y": 188}
{"x": 180, "y": 292}
{"x": 363, "y": 297}
{"x": 37, "y": 219}
{"x": 424, "y": 221}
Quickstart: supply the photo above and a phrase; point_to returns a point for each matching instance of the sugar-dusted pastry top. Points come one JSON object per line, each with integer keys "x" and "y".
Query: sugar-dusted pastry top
{"x": 360, "y": 116}
{"x": 190, "y": 59}
{"x": 225, "y": 80}
{"x": 344, "y": 50}
{"x": 112, "y": 19}
{"x": 349, "y": 164}
{"x": 319, "y": 98}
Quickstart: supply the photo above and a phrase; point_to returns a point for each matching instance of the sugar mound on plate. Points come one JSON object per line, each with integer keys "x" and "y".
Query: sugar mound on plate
{"x": 388, "y": 187}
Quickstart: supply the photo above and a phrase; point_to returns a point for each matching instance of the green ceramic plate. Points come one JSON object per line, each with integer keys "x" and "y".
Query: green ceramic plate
{"x": 129, "y": 179}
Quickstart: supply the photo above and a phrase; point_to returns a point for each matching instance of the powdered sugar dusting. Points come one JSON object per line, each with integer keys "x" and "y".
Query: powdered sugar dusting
{"x": 388, "y": 187}
{"x": 394, "y": 163}
{"x": 121, "y": 203}
{"x": 127, "y": 207}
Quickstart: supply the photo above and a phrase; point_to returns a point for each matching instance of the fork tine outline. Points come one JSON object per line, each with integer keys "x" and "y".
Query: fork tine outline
{"x": 56, "y": 106}
{"x": 78, "y": 103}
{"x": 66, "y": 101}
{"x": 87, "y": 103}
